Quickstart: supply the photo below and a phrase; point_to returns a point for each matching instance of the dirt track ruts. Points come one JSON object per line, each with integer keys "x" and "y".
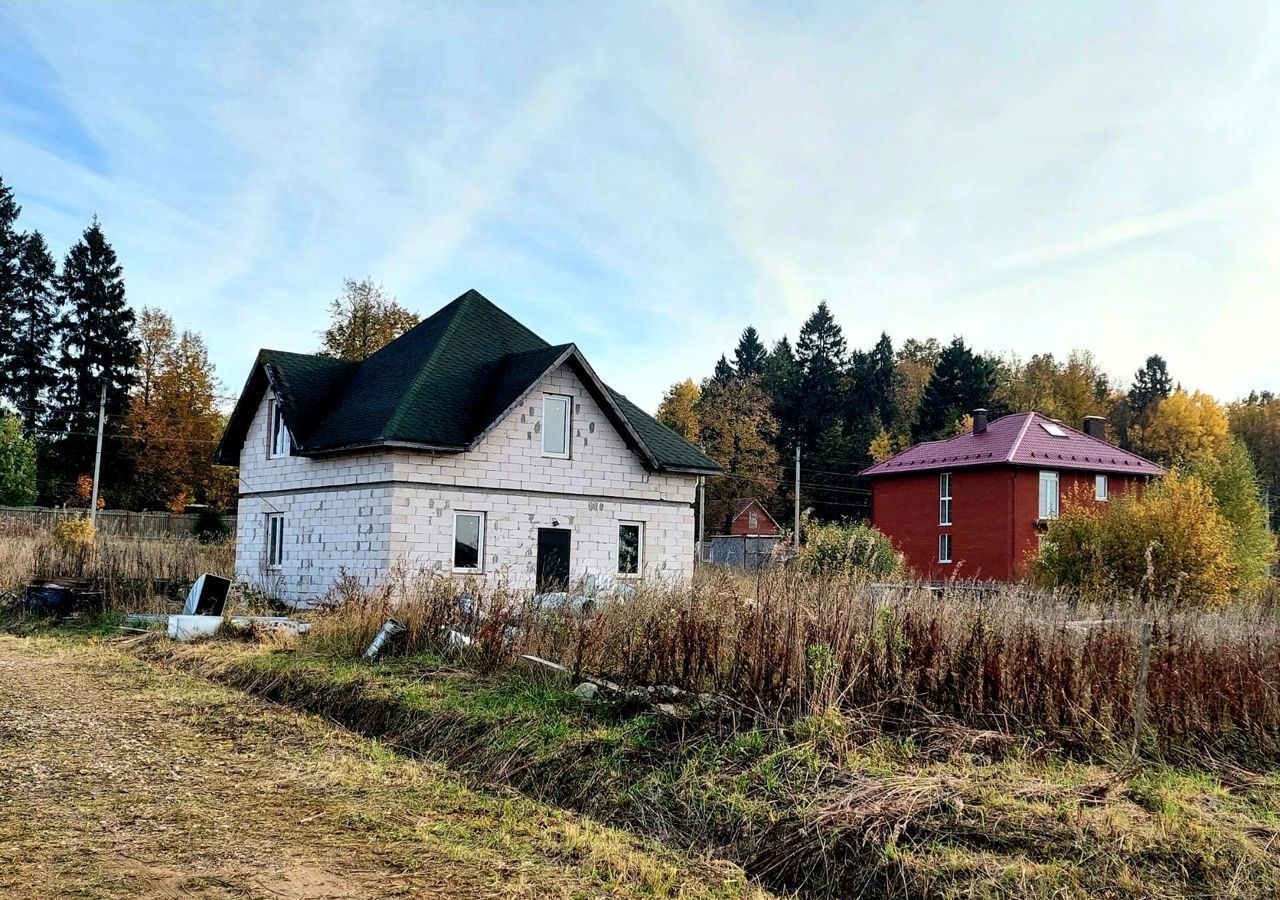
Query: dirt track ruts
{"x": 119, "y": 780}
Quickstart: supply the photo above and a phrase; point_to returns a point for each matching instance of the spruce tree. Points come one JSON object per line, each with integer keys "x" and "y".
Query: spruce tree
{"x": 10, "y": 245}
{"x": 820, "y": 353}
{"x": 750, "y": 355}
{"x": 1151, "y": 384}
{"x": 33, "y": 328}
{"x": 873, "y": 375}
{"x": 781, "y": 381}
{"x": 98, "y": 347}
{"x": 723, "y": 372}
{"x": 962, "y": 382}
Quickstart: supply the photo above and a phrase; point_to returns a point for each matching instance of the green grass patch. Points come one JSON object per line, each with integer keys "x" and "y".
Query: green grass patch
{"x": 827, "y": 807}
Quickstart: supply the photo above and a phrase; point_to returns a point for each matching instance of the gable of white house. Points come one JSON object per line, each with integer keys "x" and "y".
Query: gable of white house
{"x": 362, "y": 514}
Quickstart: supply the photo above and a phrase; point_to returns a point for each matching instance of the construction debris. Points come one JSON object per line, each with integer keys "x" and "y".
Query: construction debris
{"x": 208, "y": 596}
{"x": 390, "y": 629}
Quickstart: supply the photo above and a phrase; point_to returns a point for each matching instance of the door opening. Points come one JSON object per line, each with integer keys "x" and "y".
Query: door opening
{"x": 553, "y": 559}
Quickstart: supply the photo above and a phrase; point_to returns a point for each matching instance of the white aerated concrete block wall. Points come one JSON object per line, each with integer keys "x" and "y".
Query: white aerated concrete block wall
{"x": 362, "y": 514}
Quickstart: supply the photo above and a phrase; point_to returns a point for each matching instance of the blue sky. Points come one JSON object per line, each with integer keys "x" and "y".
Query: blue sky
{"x": 647, "y": 179}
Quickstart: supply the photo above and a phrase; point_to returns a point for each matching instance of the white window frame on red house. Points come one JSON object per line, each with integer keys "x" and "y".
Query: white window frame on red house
{"x": 1101, "y": 488}
{"x": 944, "y": 547}
{"x": 1050, "y": 497}
{"x": 944, "y": 498}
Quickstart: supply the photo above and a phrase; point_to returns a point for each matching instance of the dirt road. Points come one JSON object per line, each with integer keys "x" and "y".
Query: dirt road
{"x": 119, "y": 780}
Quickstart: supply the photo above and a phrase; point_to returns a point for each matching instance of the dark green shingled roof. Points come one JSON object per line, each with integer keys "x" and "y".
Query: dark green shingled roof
{"x": 441, "y": 385}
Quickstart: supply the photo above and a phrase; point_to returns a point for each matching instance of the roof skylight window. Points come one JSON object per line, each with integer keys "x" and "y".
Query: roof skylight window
{"x": 1053, "y": 429}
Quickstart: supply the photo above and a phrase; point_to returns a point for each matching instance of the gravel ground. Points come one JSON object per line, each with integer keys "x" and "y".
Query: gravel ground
{"x": 120, "y": 780}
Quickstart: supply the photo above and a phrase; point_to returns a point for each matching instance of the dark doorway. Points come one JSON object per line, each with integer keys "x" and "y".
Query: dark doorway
{"x": 553, "y": 559}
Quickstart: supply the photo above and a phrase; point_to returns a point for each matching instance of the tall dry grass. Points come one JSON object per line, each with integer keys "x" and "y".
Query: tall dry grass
{"x": 129, "y": 571}
{"x": 787, "y": 645}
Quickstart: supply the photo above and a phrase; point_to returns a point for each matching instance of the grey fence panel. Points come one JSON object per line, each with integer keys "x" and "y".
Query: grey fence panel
{"x": 110, "y": 521}
{"x": 749, "y": 553}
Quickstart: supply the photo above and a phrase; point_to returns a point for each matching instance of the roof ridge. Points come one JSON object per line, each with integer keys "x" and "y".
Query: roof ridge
{"x": 393, "y": 421}
{"x": 1022, "y": 433}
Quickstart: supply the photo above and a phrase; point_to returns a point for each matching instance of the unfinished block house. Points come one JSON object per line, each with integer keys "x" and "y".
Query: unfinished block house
{"x": 468, "y": 446}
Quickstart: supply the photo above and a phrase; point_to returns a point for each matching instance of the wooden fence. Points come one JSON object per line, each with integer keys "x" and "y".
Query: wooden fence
{"x": 110, "y": 521}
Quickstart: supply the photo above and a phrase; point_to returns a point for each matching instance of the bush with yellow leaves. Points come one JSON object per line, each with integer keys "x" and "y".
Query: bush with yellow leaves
{"x": 74, "y": 533}
{"x": 1172, "y": 546}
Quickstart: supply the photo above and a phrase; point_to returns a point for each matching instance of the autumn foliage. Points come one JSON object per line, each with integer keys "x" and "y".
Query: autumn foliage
{"x": 1171, "y": 546}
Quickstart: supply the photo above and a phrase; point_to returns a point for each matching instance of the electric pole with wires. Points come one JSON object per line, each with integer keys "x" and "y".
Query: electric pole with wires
{"x": 97, "y": 457}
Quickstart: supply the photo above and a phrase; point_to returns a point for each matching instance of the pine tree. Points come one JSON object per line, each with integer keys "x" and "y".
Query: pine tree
{"x": 97, "y": 347}
{"x": 750, "y": 355}
{"x": 33, "y": 329}
{"x": 962, "y": 382}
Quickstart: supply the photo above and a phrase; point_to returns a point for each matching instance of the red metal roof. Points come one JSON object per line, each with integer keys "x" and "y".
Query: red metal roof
{"x": 1019, "y": 440}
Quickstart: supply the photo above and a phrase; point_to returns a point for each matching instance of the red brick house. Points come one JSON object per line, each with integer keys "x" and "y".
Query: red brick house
{"x": 750, "y": 518}
{"x": 974, "y": 506}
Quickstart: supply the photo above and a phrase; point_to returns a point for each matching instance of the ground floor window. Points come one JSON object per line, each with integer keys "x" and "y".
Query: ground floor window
{"x": 630, "y": 548}
{"x": 275, "y": 540}
{"x": 944, "y": 548}
{"x": 468, "y": 541}
{"x": 1101, "y": 490}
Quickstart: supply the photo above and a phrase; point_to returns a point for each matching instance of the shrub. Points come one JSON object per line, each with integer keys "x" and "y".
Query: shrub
{"x": 844, "y": 549}
{"x": 17, "y": 464}
{"x": 210, "y": 526}
{"x": 73, "y": 534}
{"x": 1170, "y": 546}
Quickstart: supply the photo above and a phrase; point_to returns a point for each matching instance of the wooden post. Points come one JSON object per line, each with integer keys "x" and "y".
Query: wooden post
{"x": 1140, "y": 689}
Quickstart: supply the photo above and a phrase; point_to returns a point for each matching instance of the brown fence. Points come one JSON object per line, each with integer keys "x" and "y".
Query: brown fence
{"x": 110, "y": 521}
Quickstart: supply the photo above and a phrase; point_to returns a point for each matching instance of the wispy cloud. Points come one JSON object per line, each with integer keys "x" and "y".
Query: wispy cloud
{"x": 1117, "y": 234}
{"x": 648, "y": 180}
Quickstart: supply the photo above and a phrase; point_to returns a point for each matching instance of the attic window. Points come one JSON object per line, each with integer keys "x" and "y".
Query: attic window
{"x": 1053, "y": 429}
{"x": 555, "y": 426}
{"x": 279, "y": 433}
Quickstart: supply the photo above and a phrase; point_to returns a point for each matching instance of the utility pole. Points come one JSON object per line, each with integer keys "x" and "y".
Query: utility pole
{"x": 702, "y": 515}
{"x": 97, "y": 459}
{"x": 797, "y": 532}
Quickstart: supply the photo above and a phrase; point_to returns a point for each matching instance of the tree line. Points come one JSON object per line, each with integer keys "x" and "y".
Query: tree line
{"x": 67, "y": 331}
{"x": 71, "y": 344}
{"x": 848, "y": 408}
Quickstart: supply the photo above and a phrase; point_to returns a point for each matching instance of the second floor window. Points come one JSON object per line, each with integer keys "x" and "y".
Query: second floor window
{"x": 555, "y": 426}
{"x": 279, "y": 432}
{"x": 944, "y": 498}
{"x": 1048, "y": 495}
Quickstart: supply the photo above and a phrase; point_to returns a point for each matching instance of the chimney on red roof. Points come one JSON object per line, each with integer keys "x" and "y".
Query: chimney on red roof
{"x": 979, "y": 421}
{"x": 1095, "y": 427}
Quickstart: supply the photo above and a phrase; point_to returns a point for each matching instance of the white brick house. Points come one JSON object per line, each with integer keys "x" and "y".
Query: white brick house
{"x": 468, "y": 446}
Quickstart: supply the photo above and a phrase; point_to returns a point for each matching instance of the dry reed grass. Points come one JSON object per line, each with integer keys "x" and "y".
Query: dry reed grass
{"x": 130, "y": 571}
{"x": 785, "y": 645}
